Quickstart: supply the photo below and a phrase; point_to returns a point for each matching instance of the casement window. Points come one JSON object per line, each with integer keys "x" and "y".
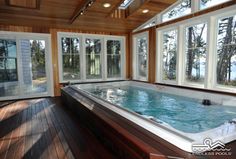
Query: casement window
{"x": 140, "y": 54}
{"x": 195, "y": 49}
{"x": 169, "y": 55}
{"x": 226, "y": 51}
{"x": 25, "y": 65}
{"x": 93, "y": 47}
{"x": 88, "y": 57}
{"x": 71, "y": 58}
{"x": 210, "y": 3}
{"x": 8, "y": 60}
{"x": 180, "y": 9}
{"x": 114, "y": 58}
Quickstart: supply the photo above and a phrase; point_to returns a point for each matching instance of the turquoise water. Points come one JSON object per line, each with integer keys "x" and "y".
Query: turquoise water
{"x": 182, "y": 113}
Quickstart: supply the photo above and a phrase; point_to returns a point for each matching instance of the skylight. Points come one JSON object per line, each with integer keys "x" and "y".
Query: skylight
{"x": 125, "y": 4}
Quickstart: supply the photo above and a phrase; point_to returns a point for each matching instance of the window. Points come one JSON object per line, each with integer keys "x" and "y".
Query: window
{"x": 93, "y": 58}
{"x": 88, "y": 57}
{"x": 141, "y": 57}
{"x": 226, "y": 51}
{"x": 25, "y": 70}
{"x": 8, "y": 60}
{"x": 169, "y": 49}
{"x": 179, "y": 10}
{"x": 71, "y": 58}
{"x": 196, "y": 41}
{"x": 125, "y": 4}
{"x": 33, "y": 66}
{"x": 113, "y": 58}
{"x": 209, "y": 3}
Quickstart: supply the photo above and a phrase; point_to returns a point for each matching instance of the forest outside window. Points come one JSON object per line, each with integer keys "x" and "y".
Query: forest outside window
{"x": 179, "y": 10}
{"x": 113, "y": 58}
{"x": 142, "y": 58}
{"x": 196, "y": 41}
{"x": 169, "y": 49}
{"x": 71, "y": 58}
{"x": 209, "y": 3}
{"x": 8, "y": 61}
{"x": 226, "y": 51}
{"x": 93, "y": 48}
{"x": 90, "y": 57}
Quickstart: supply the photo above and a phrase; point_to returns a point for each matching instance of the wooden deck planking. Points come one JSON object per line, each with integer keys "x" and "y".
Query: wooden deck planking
{"x": 43, "y": 128}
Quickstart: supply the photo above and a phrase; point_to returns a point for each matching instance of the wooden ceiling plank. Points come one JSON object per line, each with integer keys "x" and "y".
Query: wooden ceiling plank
{"x": 78, "y": 10}
{"x": 115, "y": 8}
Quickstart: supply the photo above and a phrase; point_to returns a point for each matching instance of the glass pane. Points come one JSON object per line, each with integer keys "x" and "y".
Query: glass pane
{"x": 93, "y": 59}
{"x": 181, "y": 9}
{"x": 113, "y": 58}
{"x": 209, "y": 3}
{"x": 71, "y": 67}
{"x": 9, "y": 85}
{"x": 226, "y": 51}
{"x": 70, "y": 45}
{"x": 7, "y": 48}
{"x": 33, "y": 66}
{"x": 169, "y": 55}
{"x": 113, "y": 66}
{"x": 8, "y": 70}
{"x": 196, "y": 39}
{"x": 142, "y": 65}
{"x": 142, "y": 57}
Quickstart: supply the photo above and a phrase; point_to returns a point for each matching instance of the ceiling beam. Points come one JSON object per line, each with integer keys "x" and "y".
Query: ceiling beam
{"x": 28, "y": 4}
{"x": 115, "y": 7}
{"x": 80, "y": 8}
{"x": 135, "y": 6}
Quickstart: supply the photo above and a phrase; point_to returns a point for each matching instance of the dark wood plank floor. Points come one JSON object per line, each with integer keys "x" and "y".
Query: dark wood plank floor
{"x": 43, "y": 128}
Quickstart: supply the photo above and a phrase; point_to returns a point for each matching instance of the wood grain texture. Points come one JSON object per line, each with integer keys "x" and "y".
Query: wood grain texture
{"x": 43, "y": 128}
{"x": 60, "y": 14}
{"x": 152, "y": 56}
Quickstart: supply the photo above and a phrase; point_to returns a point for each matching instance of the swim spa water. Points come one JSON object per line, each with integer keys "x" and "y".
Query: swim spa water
{"x": 182, "y": 113}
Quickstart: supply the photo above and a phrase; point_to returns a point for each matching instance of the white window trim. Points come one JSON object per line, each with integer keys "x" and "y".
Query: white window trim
{"x": 60, "y": 59}
{"x": 198, "y": 5}
{"x": 185, "y": 82}
{"x": 135, "y": 57}
{"x": 83, "y": 56}
{"x": 195, "y": 7}
{"x": 172, "y": 7}
{"x": 159, "y": 57}
{"x": 210, "y": 76}
{"x": 48, "y": 62}
{"x": 217, "y": 86}
{"x": 122, "y": 56}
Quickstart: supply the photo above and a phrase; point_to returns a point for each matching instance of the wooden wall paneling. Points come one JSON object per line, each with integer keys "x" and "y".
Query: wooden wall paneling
{"x": 128, "y": 55}
{"x": 55, "y": 62}
{"x": 152, "y": 55}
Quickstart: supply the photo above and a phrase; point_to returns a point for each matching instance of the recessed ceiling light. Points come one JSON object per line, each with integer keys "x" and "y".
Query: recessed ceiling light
{"x": 145, "y": 11}
{"x": 106, "y": 5}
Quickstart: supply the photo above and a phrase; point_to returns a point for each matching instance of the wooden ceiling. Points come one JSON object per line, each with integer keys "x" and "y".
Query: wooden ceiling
{"x": 65, "y": 14}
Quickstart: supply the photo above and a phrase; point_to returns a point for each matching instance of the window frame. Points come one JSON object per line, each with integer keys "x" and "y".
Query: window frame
{"x": 201, "y": 9}
{"x": 48, "y": 62}
{"x": 217, "y": 86}
{"x": 122, "y": 56}
{"x": 159, "y": 58}
{"x": 211, "y": 57}
{"x": 60, "y": 57}
{"x": 185, "y": 82}
{"x": 101, "y": 58}
{"x": 135, "y": 57}
{"x": 83, "y": 37}
{"x": 172, "y": 7}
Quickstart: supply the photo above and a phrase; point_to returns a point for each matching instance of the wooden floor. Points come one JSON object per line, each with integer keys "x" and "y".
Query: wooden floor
{"x": 43, "y": 128}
